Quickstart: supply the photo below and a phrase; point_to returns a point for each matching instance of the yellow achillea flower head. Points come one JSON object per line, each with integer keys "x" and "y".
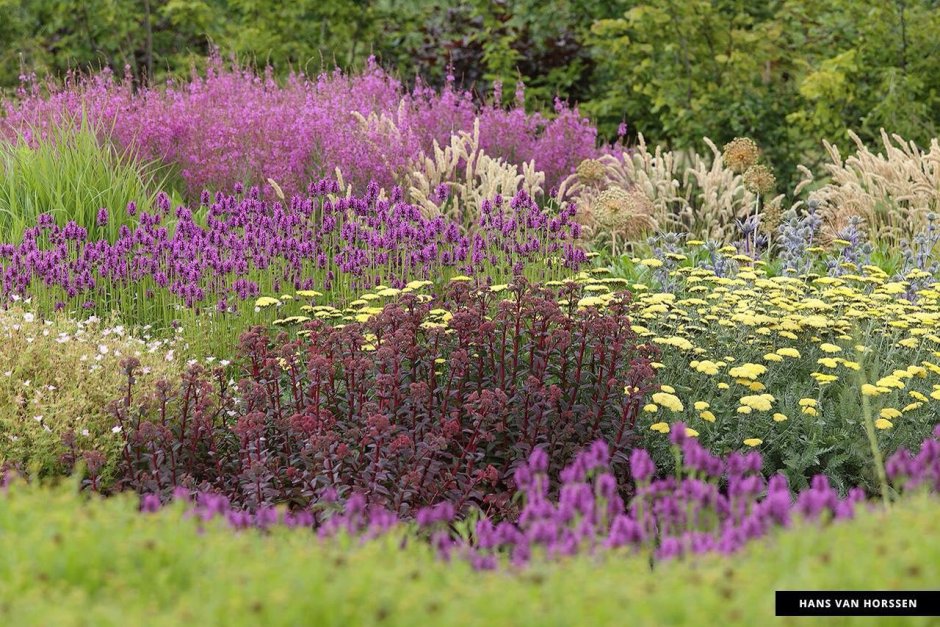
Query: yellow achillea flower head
{"x": 661, "y": 427}
{"x": 747, "y": 371}
{"x": 758, "y": 402}
{"x": 889, "y": 382}
{"x": 701, "y": 405}
{"x": 873, "y": 390}
{"x": 779, "y": 417}
{"x": 707, "y": 416}
{"x": 882, "y": 423}
{"x": 705, "y": 366}
{"x": 829, "y": 348}
{"x": 651, "y": 408}
{"x": 669, "y": 401}
{"x": 889, "y": 413}
{"x": 753, "y": 441}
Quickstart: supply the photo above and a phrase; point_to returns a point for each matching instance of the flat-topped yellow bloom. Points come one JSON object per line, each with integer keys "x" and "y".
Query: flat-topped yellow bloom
{"x": 758, "y": 402}
{"x": 669, "y": 401}
{"x": 747, "y": 371}
{"x": 753, "y": 442}
{"x": 662, "y": 427}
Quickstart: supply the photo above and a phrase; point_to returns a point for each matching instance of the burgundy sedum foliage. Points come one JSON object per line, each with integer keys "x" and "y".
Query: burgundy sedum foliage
{"x": 425, "y": 402}
{"x": 667, "y": 518}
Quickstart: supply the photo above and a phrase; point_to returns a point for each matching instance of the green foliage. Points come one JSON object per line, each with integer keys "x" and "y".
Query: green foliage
{"x": 69, "y": 560}
{"x": 71, "y": 173}
{"x": 786, "y": 73}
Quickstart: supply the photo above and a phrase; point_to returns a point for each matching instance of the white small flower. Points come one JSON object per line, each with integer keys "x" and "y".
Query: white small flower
{"x": 169, "y": 355}
{"x": 102, "y": 349}
{"x": 8, "y": 373}
{"x": 38, "y": 418}
{"x": 225, "y": 362}
{"x": 85, "y": 432}
{"x": 145, "y": 370}
{"x": 28, "y": 317}
{"x": 209, "y": 360}
{"x": 191, "y": 362}
{"x": 47, "y": 429}
{"x": 15, "y": 297}
{"x": 27, "y": 382}
{"x": 116, "y": 429}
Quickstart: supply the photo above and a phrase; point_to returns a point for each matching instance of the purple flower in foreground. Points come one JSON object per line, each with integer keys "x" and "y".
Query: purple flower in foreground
{"x": 672, "y": 517}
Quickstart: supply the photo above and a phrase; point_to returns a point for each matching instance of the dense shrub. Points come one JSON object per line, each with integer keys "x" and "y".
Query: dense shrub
{"x": 421, "y": 403}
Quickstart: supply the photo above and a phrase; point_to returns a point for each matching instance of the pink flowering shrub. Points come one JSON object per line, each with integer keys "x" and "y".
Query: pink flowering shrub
{"x": 235, "y": 125}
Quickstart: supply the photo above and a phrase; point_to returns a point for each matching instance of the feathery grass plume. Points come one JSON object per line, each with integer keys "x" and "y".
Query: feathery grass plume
{"x": 892, "y": 191}
{"x": 469, "y": 175}
{"x": 699, "y": 194}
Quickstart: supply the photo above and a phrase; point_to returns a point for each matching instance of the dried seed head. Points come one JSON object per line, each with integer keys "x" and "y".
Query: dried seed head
{"x": 741, "y": 153}
{"x": 591, "y": 172}
{"x": 759, "y": 179}
{"x": 770, "y": 218}
{"x": 627, "y": 213}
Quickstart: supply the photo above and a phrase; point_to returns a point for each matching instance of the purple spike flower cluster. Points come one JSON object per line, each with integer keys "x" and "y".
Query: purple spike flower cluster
{"x": 232, "y": 121}
{"x": 669, "y": 517}
{"x": 239, "y": 246}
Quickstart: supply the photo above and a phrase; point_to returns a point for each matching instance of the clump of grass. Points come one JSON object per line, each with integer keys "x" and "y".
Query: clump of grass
{"x": 72, "y": 171}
